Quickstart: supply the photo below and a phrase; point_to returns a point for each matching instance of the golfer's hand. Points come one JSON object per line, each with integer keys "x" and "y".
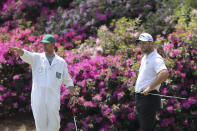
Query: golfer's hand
{"x": 146, "y": 91}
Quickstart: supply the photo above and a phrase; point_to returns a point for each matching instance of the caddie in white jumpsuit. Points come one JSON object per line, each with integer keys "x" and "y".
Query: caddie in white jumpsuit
{"x": 49, "y": 71}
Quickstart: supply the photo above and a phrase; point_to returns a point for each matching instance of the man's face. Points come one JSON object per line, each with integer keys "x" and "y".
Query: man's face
{"x": 146, "y": 46}
{"x": 48, "y": 47}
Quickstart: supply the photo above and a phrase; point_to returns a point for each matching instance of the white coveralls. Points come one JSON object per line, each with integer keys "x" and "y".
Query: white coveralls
{"x": 45, "y": 94}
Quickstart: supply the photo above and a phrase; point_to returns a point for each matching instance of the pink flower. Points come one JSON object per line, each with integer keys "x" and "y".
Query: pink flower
{"x": 1, "y": 88}
{"x": 81, "y": 100}
{"x": 112, "y": 118}
{"x": 113, "y": 76}
{"x": 166, "y": 122}
{"x": 1, "y": 99}
{"x": 186, "y": 122}
{"x": 186, "y": 105}
{"x": 71, "y": 125}
{"x": 107, "y": 111}
{"x": 191, "y": 63}
{"x": 27, "y": 75}
{"x": 137, "y": 5}
{"x": 2, "y": 60}
{"x": 134, "y": 74}
{"x": 16, "y": 77}
{"x": 99, "y": 119}
{"x": 170, "y": 109}
{"x": 31, "y": 38}
{"x": 183, "y": 75}
{"x": 22, "y": 98}
{"x": 138, "y": 57}
{"x": 89, "y": 103}
{"x": 178, "y": 105}
{"x": 194, "y": 12}
{"x": 21, "y": 109}
{"x": 176, "y": 52}
{"x": 131, "y": 116}
{"x": 101, "y": 84}
{"x": 87, "y": 118}
{"x": 165, "y": 91}
{"x": 97, "y": 97}
{"x": 102, "y": 91}
{"x": 78, "y": 37}
{"x": 68, "y": 44}
{"x": 10, "y": 61}
{"x": 192, "y": 100}
{"x": 184, "y": 92}
{"x": 84, "y": 124}
{"x": 82, "y": 83}
{"x": 102, "y": 17}
{"x": 120, "y": 95}
{"x": 15, "y": 105}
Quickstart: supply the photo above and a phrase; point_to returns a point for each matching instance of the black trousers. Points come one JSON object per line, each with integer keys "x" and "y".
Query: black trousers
{"x": 147, "y": 106}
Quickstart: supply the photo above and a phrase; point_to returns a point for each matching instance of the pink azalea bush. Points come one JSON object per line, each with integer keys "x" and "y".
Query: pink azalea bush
{"x": 180, "y": 53}
{"x": 102, "y": 88}
{"x": 87, "y": 16}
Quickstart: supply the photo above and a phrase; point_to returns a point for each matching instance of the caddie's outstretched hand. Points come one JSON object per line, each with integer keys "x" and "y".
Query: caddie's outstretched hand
{"x": 18, "y": 50}
{"x": 12, "y": 48}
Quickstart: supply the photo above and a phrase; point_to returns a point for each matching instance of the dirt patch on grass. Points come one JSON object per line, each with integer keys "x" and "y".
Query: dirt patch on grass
{"x": 19, "y": 122}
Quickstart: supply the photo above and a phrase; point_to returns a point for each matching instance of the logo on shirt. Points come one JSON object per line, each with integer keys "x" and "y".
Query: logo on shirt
{"x": 58, "y": 75}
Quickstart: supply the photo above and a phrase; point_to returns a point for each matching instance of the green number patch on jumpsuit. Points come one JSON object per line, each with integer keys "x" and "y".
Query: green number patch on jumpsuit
{"x": 45, "y": 94}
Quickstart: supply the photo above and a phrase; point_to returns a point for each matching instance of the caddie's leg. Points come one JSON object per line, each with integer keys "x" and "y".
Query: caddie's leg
{"x": 40, "y": 117}
{"x": 53, "y": 119}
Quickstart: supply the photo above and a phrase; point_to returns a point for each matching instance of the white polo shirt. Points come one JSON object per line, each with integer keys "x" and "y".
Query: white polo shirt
{"x": 150, "y": 65}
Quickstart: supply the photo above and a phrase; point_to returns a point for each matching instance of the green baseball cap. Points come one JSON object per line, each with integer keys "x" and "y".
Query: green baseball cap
{"x": 48, "y": 39}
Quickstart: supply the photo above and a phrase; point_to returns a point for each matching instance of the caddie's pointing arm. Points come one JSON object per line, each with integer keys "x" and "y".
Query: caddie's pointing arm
{"x": 19, "y": 51}
{"x": 25, "y": 55}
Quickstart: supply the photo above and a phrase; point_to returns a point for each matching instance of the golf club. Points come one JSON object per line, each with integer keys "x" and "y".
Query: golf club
{"x": 168, "y": 96}
{"x": 75, "y": 122}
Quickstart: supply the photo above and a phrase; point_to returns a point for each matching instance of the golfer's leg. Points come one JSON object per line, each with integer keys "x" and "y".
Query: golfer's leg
{"x": 53, "y": 119}
{"x": 147, "y": 120}
{"x": 145, "y": 116}
{"x": 147, "y": 107}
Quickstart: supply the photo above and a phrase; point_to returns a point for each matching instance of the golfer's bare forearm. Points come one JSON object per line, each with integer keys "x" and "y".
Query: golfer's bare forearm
{"x": 162, "y": 76}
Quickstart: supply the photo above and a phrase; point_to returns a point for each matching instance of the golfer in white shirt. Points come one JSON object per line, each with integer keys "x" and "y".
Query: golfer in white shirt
{"x": 152, "y": 73}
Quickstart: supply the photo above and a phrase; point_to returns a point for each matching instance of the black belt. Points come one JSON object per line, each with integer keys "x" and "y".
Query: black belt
{"x": 141, "y": 94}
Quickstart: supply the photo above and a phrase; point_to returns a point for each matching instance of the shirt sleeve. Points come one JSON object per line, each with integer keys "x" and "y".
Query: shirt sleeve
{"x": 159, "y": 64}
{"x": 142, "y": 61}
{"x": 66, "y": 77}
{"x": 28, "y": 57}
